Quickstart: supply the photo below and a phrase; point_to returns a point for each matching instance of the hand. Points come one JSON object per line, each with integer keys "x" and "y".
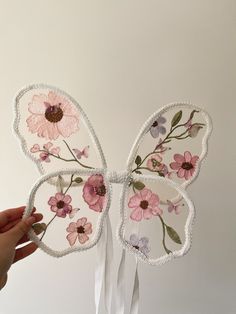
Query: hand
{"x": 13, "y": 232}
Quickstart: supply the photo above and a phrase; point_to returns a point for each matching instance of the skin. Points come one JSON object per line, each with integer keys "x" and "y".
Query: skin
{"x": 13, "y": 232}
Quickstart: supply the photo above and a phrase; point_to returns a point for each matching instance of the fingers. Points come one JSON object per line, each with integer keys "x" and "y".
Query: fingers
{"x": 25, "y": 238}
{"x": 9, "y": 215}
{"x": 25, "y": 251}
{"x": 9, "y": 225}
{"x": 23, "y": 227}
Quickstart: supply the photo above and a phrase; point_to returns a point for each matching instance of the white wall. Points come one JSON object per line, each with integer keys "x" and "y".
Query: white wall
{"x": 123, "y": 60}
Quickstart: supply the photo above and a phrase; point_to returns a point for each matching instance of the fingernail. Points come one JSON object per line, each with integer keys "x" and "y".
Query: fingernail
{"x": 31, "y": 220}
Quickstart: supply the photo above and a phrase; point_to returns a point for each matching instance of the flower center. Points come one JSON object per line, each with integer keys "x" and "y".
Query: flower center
{"x": 155, "y": 124}
{"x": 144, "y": 204}
{"x": 155, "y": 163}
{"x": 101, "y": 190}
{"x": 60, "y": 204}
{"x": 80, "y": 229}
{"x": 187, "y": 165}
{"x": 53, "y": 114}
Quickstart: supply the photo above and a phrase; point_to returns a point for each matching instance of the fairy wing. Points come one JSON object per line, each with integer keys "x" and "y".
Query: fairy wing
{"x": 156, "y": 212}
{"x": 73, "y": 193}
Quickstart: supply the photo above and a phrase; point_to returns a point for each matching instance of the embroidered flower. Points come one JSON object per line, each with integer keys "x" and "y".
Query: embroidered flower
{"x": 82, "y": 153}
{"x": 140, "y": 244}
{"x": 94, "y": 192}
{"x": 157, "y": 127}
{"x": 46, "y": 151}
{"x": 184, "y": 165}
{"x": 51, "y": 116}
{"x": 173, "y": 207}
{"x": 60, "y": 204}
{"x": 80, "y": 229}
{"x": 35, "y": 148}
{"x": 144, "y": 204}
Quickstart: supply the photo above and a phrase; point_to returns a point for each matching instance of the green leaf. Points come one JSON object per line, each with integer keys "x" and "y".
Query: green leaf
{"x": 138, "y": 185}
{"x": 138, "y": 160}
{"x": 78, "y": 180}
{"x": 177, "y": 117}
{"x": 39, "y": 227}
{"x": 173, "y": 235}
{"x": 192, "y": 114}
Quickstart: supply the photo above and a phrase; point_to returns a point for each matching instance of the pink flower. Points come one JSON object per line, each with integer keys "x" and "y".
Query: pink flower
{"x": 144, "y": 204}
{"x": 154, "y": 163}
{"x": 184, "y": 165}
{"x": 44, "y": 156}
{"x": 52, "y": 115}
{"x": 60, "y": 204}
{"x": 35, "y": 148}
{"x": 79, "y": 153}
{"x": 94, "y": 192}
{"x": 80, "y": 230}
{"x": 173, "y": 207}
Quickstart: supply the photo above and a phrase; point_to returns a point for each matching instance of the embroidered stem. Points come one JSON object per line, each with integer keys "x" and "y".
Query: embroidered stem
{"x": 71, "y": 181}
{"x": 47, "y": 226}
{"x": 164, "y": 235}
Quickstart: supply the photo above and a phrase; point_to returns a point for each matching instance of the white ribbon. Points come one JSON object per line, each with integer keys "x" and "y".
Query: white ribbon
{"x": 120, "y": 294}
{"x": 135, "y": 295}
{"x": 103, "y": 268}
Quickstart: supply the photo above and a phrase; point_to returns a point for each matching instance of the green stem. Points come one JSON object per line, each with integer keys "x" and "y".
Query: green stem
{"x": 47, "y": 226}
{"x": 164, "y": 235}
{"x": 71, "y": 181}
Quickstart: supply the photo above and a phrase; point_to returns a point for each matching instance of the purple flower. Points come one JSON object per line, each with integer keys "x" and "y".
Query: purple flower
{"x": 157, "y": 127}
{"x": 140, "y": 244}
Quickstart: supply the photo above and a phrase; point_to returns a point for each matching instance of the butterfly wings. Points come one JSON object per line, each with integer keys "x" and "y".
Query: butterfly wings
{"x": 156, "y": 213}
{"x": 73, "y": 194}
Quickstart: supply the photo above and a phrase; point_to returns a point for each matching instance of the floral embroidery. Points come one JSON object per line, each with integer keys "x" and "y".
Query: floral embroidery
{"x": 154, "y": 163}
{"x": 157, "y": 127}
{"x": 82, "y": 153}
{"x": 80, "y": 229}
{"x": 60, "y": 204}
{"x": 145, "y": 204}
{"x": 184, "y": 165}
{"x": 140, "y": 244}
{"x": 173, "y": 207}
{"x": 51, "y": 116}
{"x": 46, "y": 152}
{"x": 94, "y": 192}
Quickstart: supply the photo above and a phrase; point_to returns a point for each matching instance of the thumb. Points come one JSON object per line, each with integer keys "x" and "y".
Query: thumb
{"x": 22, "y": 228}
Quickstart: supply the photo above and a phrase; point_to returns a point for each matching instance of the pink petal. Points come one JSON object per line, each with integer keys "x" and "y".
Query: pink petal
{"x": 81, "y": 222}
{"x": 54, "y": 209}
{"x": 98, "y": 206}
{"x": 67, "y": 126}
{"x": 61, "y": 213}
{"x": 134, "y": 201}
{"x": 35, "y": 148}
{"x": 82, "y": 238}
{"x": 147, "y": 213}
{"x": 71, "y": 237}
{"x": 52, "y": 201}
{"x": 181, "y": 173}
{"x": 157, "y": 211}
{"x": 69, "y": 109}
{"x": 67, "y": 199}
{"x": 194, "y": 160}
{"x": 47, "y": 146}
{"x": 89, "y": 194}
{"x": 187, "y": 156}
{"x": 154, "y": 200}
{"x": 175, "y": 165}
{"x": 72, "y": 227}
{"x": 187, "y": 174}
{"x": 88, "y": 228}
{"x": 137, "y": 214}
{"x": 37, "y": 105}
{"x": 145, "y": 194}
{"x": 85, "y": 151}
{"x": 35, "y": 121}
{"x": 179, "y": 158}
{"x": 55, "y": 150}
{"x": 59, "y": 196}
{"x": 192, "y": 171}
